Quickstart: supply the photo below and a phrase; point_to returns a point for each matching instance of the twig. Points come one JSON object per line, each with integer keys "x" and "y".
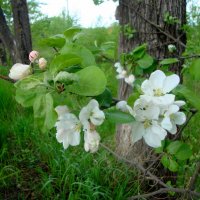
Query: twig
{"x": 7, "y": 78}
{"x": 165, "y": 190}
{"x": 193, "y": 112}
{"x": 136, "y": 165}
{"x": 194, "y": 177}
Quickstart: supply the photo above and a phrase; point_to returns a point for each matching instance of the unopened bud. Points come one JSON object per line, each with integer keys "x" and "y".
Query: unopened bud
{"x": 42, "y": 63}
{"x": 33, "y": 55}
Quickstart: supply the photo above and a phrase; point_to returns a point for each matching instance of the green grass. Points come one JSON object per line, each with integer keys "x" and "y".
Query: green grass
{"x": 35, "y": 166}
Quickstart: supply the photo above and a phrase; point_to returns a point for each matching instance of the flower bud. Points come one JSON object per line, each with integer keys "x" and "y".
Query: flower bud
{"x": 42, "y": 63}
{"x": 19, "y": 71}
{"x": 33, "y": 55}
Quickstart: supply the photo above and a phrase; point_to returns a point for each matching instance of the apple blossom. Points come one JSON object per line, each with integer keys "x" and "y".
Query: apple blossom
{"x": 68, "y": 129}
{"x": 158, "y": 86}
{"x": 91, "y": 114}
{"x": 19, "y": 71}
{"x": 61, "y": 110}
{"x": 173, "y": 117}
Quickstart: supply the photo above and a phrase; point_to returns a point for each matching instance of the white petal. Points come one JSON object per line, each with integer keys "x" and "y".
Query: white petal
{"x": 146, "y": 88}
{"x": 173, "y": 129}
{"x": 138, "y": 131}
{"x": 179, "y": 103}
{"x": 170, "y": 83}
{"x": 172, "y": 109}
{"x": 154, "y": 135}
{"x": 157, "y": 79}
{"x": 61, "y": 110}
{"x": 97, "y": 116}
{"x": 165, "y": 100}
{"x": 60, "y": 135}
{"x": 166, "y": 123}
{"x": 75, "y": 139}
{"x": 179, "y": 118}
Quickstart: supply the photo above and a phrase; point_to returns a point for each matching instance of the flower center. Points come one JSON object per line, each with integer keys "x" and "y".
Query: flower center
{"x": 147, "y": 123}
{"x": 158, "y": 92}
{"x": 78, "y": 127}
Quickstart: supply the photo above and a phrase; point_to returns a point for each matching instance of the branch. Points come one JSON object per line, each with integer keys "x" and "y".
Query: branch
{"x": 166, "y": 190}
{"x": 194, "y": 177}
{"x": 193, "y": 112}
{"x": 7, "y": 78}
{"x": 136, "y": 165}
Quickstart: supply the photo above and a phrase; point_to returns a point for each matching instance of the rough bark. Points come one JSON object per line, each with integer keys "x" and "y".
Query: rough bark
{"x": 22, "y": 28}
{"x": 8, "y": 39}
{"x": 2, "y": 53}
{"x": 147, "y": 18}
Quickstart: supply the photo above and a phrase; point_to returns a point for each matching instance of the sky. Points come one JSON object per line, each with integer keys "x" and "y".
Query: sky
{"x": 88, "y": 14}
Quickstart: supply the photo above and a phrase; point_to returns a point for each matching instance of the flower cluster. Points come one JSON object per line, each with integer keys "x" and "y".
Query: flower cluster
{"x": 19, "y": 71}
{"x": 69, "y": 126}
{"x": 156, "y": 110}
{"x": 122, "y": 74}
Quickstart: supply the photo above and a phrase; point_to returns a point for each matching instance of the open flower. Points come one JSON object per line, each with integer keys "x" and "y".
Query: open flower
{"x": 91, "y": 114}
{"x": 158, "y": 86}
{"x": 68, "y": 130}
{"x": 173, "y": 117}
{"x": 146, "y": 125}
{"x": 19, "y": 71}
{"x": 91, "y": 141}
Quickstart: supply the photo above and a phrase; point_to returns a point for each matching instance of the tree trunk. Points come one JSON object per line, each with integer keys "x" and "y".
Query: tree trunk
{"x": 2, "y": 54}
{"x": 8, "y": 40}
{"x": 22, "y": 28}
{"x": 147, "y": 17}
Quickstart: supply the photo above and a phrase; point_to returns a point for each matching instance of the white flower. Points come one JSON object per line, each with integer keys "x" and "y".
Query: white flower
{"x": 68, "y": 130}
{"x": 117, "y": 65}
{"x": 42, "y": 63}
{"x": 172, "y": 118}
{"x": 124, "y": 107}
{"x": 91, "y": 114}
{"x": 150, "y": 130}
{"x": 130, "y": 79}
{"x": 158, "y": 86}
{"x": 20, "y": 71}
{"x": 146, "y": 125}
{"x": 91, "y": 139}
{"x": 61, "y": 110}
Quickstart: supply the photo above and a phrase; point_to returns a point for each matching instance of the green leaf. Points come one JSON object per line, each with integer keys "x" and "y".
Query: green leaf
{"x": 63, "y": 61}
{"x": 169, "y": 61}
{"x": 132, "y": 98}
{"x": 184, "y": 152}
{"x": 85, "y": 54}
{"x": 165, "y": 161}
{"x": 189, "y": 95}
{"x": 139, "y": 51}
{"x": 44, "y": 112}
{"x": 145, "y": 62}
{"x": 119, "y": 117}
{"x": 104, "y": 99}
{"x": 173, "y": 147}
{"x": 194, "y": 69}
{"x": 91, "y": 82}
{"x": 71, "y": 32}
{"x": 54, "y": 41}
{"x": 173, "y": 165}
